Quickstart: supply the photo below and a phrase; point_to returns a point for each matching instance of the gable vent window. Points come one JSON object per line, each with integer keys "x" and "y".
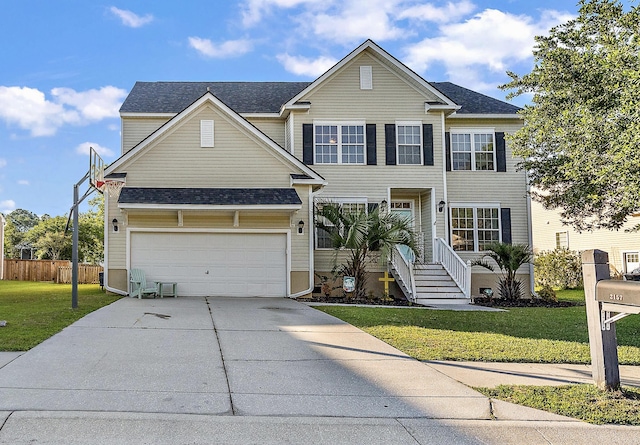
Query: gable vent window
{"x": 366, "y": 78}
{"x": 206, "y": 133}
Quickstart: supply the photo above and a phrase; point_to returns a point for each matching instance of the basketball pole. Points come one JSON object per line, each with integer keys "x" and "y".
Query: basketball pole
{"x": 76, "y": 228}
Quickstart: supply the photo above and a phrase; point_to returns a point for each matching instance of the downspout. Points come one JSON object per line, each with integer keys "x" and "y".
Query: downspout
{"x": 106, "y": 250}
{"x": 311, "y": 253}
{"x": 532, "y": 281}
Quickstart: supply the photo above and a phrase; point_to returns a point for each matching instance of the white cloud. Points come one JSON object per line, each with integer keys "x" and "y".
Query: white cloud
{"x": 230, "y": 48}
{"x": 7, "y": 206}
{"x": 83, "y": 149}
{"x": 357, "y": 20}
{"x": 431, "y": 13}
{"x": 304, "y": 66}
{"x": 254, "y": 10}
{"x": 131, "y": 19}
{"x": 29, "y": 109}
{"x": 23, "y": 182}
{"x": 3, "y": 162}
{"x": 491, "y": 38}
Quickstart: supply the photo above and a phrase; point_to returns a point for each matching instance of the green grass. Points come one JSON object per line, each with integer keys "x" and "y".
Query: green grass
{"x": 536, "y": 335}
{"x": 36, "y": 311}
{"x": 584, "y": 402}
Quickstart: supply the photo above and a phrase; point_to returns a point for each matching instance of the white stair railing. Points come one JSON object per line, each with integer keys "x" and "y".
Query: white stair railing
{"x": 403, "y": 266}
{"x": 455, "y": 266}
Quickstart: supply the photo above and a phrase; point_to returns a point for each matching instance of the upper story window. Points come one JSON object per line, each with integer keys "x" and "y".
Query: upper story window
{"x": 409, "y": 138}
{"x": 473, "y": 150}
{"x": 474, "y": 228}
{"x": 339, "y": 143}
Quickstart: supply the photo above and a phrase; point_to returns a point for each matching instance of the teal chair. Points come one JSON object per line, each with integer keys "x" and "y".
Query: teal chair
{"x": 139, "y": 286}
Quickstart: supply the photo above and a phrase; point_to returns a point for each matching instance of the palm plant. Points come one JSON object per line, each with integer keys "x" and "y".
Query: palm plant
{"x": 364, "y": 237}
{"x": 509, "y": 258}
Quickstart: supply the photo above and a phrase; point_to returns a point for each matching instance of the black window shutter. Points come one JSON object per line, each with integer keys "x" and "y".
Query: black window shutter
{"x": 371, "y": 144}
{"x": 427, "y": 143}
{"x": 307, "y": 144}
{"x": 390, "y": 143}
{"x": 501, "y": 152}
{"x": 505, "y": 220}
{"x": 447, "y": 143}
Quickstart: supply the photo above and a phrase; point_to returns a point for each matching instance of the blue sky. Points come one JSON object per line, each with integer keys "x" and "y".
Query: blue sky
{"x": 67, "y": 65}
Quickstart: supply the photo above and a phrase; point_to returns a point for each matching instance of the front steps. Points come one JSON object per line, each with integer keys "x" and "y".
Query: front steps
{"x": 434, "y": 286}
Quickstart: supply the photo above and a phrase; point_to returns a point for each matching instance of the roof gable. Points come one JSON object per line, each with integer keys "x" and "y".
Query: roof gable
{"x": 385, "y": 57}
{"x": 208, "y": 98}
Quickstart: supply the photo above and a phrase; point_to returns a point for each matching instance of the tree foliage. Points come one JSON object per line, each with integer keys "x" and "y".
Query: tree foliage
{"x": 364, "y": 237}
{"x": 582, "y": 131}
{"x": 46, "y": 235}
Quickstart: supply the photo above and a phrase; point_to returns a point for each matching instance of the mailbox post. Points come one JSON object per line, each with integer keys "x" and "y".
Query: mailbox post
{"x": 602, "y": 336}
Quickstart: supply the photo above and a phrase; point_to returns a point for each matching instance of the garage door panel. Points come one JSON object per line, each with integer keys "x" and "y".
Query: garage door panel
{"x": 210, "y": 264}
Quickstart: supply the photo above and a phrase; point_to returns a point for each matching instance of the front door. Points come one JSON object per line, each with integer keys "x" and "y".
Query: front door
{"x": 405, "y": 210}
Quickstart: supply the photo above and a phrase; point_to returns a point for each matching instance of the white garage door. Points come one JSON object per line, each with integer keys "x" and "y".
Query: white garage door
{"x": 214, "y": 264}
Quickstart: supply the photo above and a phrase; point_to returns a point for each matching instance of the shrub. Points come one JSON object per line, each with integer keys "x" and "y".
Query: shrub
{"x": 559, "y": 269}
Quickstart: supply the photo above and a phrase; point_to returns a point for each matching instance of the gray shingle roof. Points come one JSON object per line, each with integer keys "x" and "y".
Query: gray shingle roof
{"x": 268, "y": 97}
{"x": 209, "y": 196}
{"x": 242, "y": 97}
{"x": 473, "y": 102}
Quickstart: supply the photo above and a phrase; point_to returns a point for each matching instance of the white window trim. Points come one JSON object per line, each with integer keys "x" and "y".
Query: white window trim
{"x": 472, "y": 132}
{"x": 335, "y": 200}
{"x": 420, "y": 150}
{"x": 340, "y": 124}
{"x": 475, "y": 207}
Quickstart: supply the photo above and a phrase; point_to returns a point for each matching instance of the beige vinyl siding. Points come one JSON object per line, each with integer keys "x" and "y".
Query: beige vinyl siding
{"x": 177, "y": 160}
{"x": 274, "y": 128}
{"x": 136, "y": 129}
{"x": 116, "y": 255}
{"x": 300, "y": 243}
{"x": 509, "y": 188}
{"x": 340, "y": 97}
{"x": 546, "y": 223}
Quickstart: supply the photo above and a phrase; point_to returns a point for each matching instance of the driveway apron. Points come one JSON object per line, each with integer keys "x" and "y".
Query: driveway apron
{"x": 228, "y": 356}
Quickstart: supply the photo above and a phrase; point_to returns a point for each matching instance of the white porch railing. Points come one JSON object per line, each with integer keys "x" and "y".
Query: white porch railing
{"x": 403, "y": 265}
{"x": 459, "y": 271}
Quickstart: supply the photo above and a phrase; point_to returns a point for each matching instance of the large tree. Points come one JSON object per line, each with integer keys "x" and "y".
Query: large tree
{"x": 581, "y": 138}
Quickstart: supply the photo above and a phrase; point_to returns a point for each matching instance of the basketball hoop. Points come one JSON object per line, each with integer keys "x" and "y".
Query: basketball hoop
{"x": 111, "y": 186}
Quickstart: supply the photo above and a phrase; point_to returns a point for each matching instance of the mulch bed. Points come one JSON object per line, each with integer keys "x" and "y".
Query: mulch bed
{"x": 478, "y": 301}
{"x": 367, "y": 301}
{"x": 523, "y": 302}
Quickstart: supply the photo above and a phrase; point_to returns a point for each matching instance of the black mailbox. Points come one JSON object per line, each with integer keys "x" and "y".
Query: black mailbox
{"x": 618, "y": 292}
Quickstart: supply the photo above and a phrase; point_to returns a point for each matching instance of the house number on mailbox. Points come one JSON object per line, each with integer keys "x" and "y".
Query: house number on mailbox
{"x": 616, "y": 297}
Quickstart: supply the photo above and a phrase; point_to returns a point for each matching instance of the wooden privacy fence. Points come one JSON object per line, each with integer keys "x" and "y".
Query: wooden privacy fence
{"x": 87, "y": 274}
{"x": 49, "y": 270}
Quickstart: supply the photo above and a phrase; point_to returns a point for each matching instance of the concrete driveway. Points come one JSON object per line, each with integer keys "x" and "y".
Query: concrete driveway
{"x": 251, "y": 371}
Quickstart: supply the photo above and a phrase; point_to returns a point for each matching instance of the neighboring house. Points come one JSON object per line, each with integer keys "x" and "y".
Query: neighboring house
{"x": 222, "y": 177}
{"x": 622, "y": 245}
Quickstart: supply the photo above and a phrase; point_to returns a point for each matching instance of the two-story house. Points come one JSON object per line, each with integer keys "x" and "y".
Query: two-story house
{"x": 221, "y": 179}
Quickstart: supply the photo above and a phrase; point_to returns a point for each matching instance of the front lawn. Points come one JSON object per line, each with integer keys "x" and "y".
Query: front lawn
{"x": 35, "y": 311}
{"x": 534, "y": 335}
